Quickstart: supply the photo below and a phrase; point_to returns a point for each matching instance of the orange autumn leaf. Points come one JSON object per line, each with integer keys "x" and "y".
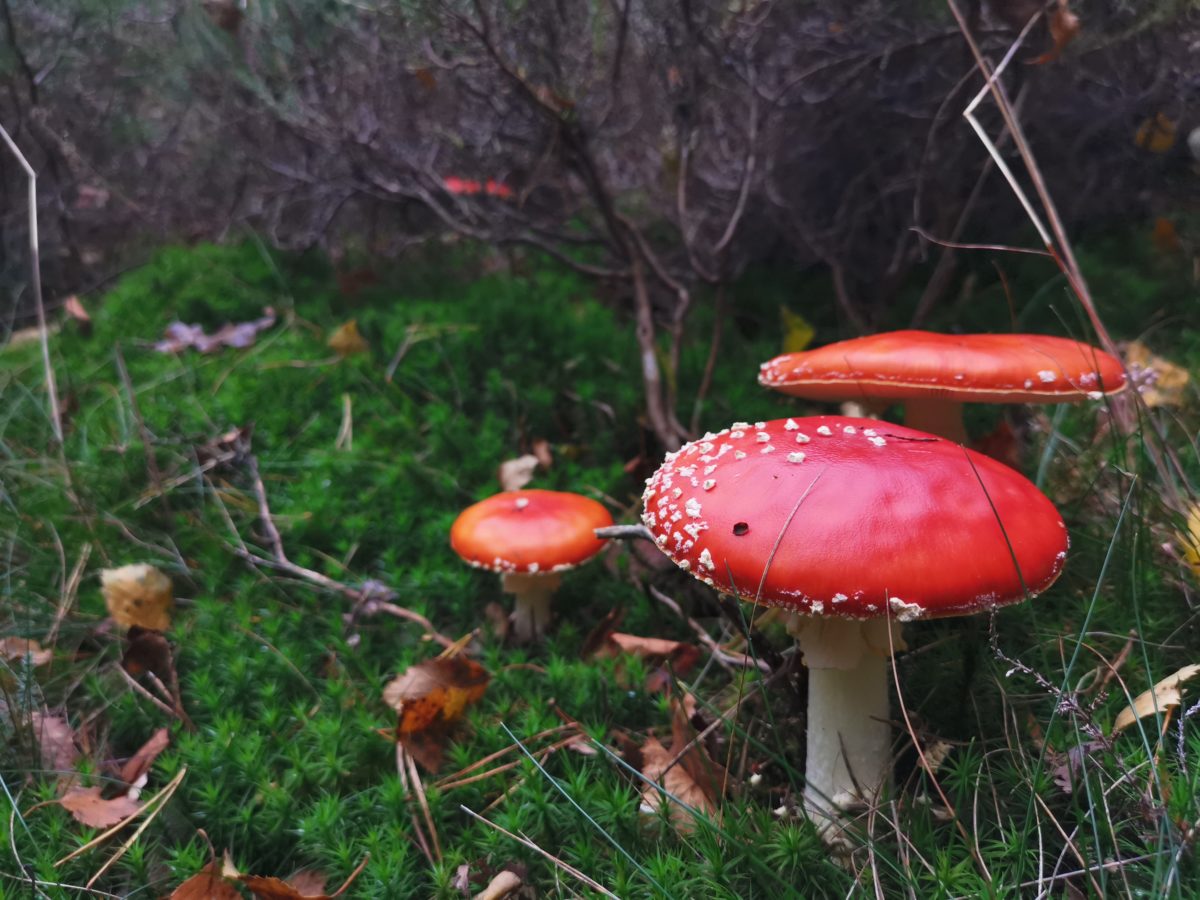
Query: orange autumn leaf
{"x": 208, "y": 884}
{"x": 1157, "y": 134}
{"x": 138, "y": 765}
{"x": 435, "y": 692}
{"x": 15, "y": 648}
{"x": 303, "y": 885}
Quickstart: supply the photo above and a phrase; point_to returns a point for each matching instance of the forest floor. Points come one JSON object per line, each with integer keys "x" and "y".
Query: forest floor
{"x": 268, "y": 674}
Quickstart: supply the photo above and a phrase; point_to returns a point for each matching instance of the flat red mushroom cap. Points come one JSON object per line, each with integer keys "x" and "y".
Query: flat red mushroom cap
{"x": 854, "y": 518}
{"x": 973, "y": 368}
{"x": 529, "y": 531}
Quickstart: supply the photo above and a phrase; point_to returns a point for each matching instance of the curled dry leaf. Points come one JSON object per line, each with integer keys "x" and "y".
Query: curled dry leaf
{"x": 430, "y": 698}
{"x": 1158, "y": 380}
{"x": 180, "y": 336}
{"x": 138, "y": 765}
{"x": 347, "y": 340}
{"x": 14, "y": 648}
{"x": 87, "y": 806}
{"x": 514, "y": 474}
{"x": 208, "y": 884}
{"x": 501, "y": 886}
{"x": 1064, "y": 28}
{"x": 1166, "y": 694}
{"x": 139, "y": 595}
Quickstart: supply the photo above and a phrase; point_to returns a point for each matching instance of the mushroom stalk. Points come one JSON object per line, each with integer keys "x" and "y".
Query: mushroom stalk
{"x": 531, "y": 615}
{"x": 849, "y": 732}
{"x": 934, "y": 416}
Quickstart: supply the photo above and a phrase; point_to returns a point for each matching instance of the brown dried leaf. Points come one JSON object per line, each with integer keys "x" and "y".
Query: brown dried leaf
{"x": 694, "y": 779}
{"x": 139, "y": 764}
{"x": 138, "y": 595}
{"x": 664, "y": 658}
{"x": 436, "y": 691}
{"x": 15, "y": 648}
{"x": 304, "y": 885}
{"x": 56, "y": 742}
{"x": 208, "y": 884}
{"x": 1190, "y": 538}
{"x": 91, "y": 809}
{"x": 1166, "y": 694}
{"x": 514, "y": 474}
{"x": 346, "y": 340}
{"x": 1157, "y": 133}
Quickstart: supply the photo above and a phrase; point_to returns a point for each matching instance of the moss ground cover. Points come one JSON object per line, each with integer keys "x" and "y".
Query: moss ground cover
{"x": 286, "y": 765}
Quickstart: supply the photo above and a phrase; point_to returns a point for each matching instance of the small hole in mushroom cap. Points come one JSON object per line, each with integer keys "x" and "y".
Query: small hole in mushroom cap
{"x": 740, "y": 528}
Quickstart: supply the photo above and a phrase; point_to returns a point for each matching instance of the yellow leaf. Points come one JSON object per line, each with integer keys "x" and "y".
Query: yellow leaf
{"x": 1190, "y": 538}
{"x": 1164, "y": 695}
{"x": 138, "y": 595}
{"x": 797, "y": 332}
{"x": 1161, "y": 382}
{"x": 346, "y": 339}
{"x": 1156, "y": 134}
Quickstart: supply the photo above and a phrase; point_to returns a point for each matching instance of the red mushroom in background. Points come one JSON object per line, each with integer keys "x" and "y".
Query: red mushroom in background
{"x": 855, "y": 526}
{"x": 530, "y": 537}
{"x": 933, "y": 375}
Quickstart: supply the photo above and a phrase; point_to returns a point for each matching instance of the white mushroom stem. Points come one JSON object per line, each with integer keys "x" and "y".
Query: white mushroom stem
{"x": 849, "y": 735}
{"x": 531, "y": 616}
{"x": 940, "y": 417}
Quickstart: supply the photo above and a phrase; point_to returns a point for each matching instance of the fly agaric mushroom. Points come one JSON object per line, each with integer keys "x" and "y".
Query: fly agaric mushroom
{"x": 530, "y": 537}
{"x": 855, "y": 526}
{"x": 933, "y": 375}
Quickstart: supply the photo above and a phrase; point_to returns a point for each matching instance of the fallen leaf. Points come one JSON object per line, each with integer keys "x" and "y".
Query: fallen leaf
{"x": 1166, "y": 694}
{"x": 1190, "y": 538}
{"x": 1064, "y": 27}
{"x": 76, "y": 313}
{"x": 541, "y": 449}
{"x": 15, "y": 648}
{"x": 138, "y": 594}
{"x": 346, "y": 340}
{"x": 93, "y": 810}
{"x": 136, "y": 767}
{"x": 797, "y": 332}
{"x": 56, "y": 742}
{"x": 514, "y": 474}
{"x": 501, "y": 886}
{"x": 304, "y": 885}
{"x": 180, "y": 336}
{"x": 692, "y": 779}
{"x": 436, "y": 691}
{"x": 1158, "y": 380}
{"x": 430, "y": 698}
{"x": 663, "y": 658}
{"x": 1156, "y": 134}
{"x": 208, "y": 884}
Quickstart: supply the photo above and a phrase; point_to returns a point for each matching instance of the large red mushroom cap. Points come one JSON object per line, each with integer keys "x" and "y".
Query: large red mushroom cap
{"x": 973, "y": 368}
{"x": 853, "y": 518}
{"x": 529, "y": 532}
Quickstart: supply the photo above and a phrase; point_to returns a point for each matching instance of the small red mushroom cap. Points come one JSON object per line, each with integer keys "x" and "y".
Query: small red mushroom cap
{"x": 853, "y": 518}
{"x": 973, "y": 368}
{"x": 529, "y": 531}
